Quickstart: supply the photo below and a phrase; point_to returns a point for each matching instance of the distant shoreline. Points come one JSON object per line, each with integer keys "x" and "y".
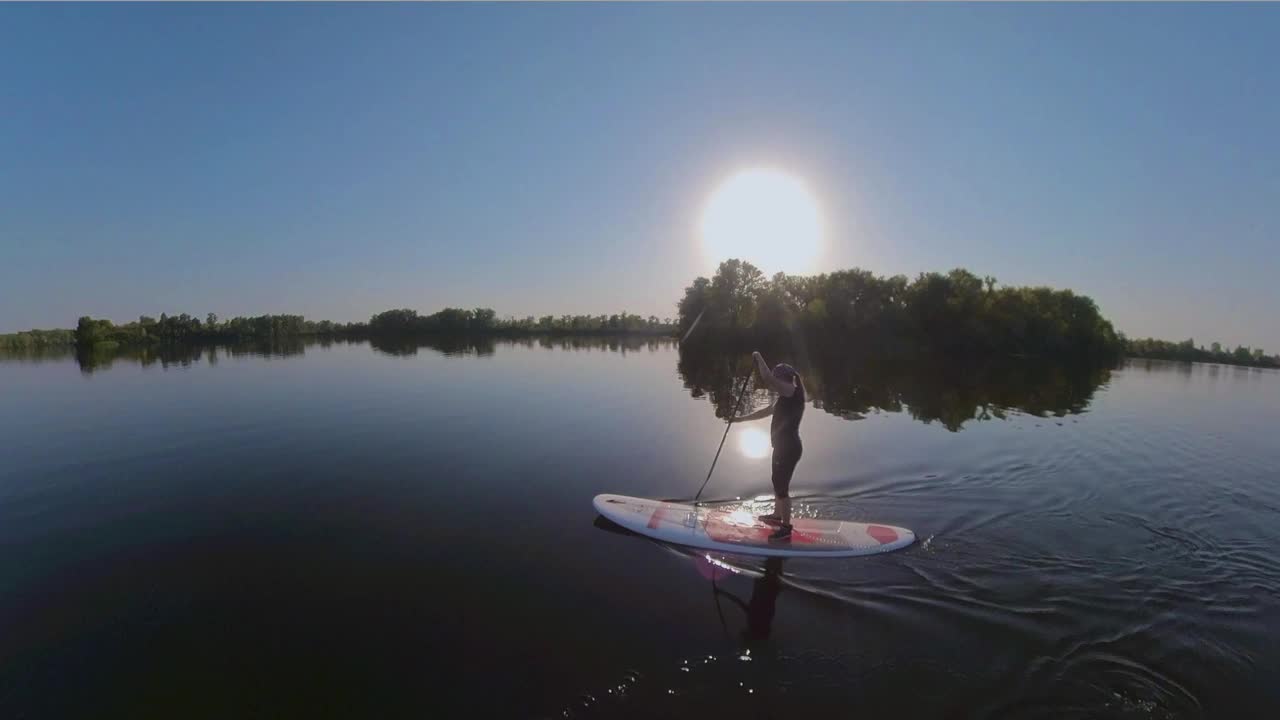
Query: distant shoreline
{"x": 64, "y": 339}
{"x": 69, "y": 339}
{"x": 956, "y": 316}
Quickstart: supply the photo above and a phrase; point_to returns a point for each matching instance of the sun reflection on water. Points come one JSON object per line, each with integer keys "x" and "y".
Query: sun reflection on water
{"x": 753, "y": 443}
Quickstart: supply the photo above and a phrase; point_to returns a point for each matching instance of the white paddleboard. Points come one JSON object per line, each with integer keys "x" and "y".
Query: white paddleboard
{"x": 738, "y": 531}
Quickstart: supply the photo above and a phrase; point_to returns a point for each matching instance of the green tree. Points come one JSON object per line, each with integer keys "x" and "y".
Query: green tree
{"x": 734, "y": 290}
{"x": 956, "y": 314}
{"x": 482, "y": 318}
{"x": 693, "y": 305}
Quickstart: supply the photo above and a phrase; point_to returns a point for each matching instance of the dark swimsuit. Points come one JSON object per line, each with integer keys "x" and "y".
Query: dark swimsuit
{"x": 784, "y": 432}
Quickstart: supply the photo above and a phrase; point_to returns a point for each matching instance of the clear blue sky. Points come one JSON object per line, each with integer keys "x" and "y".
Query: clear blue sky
{"x": 339, "y": 160}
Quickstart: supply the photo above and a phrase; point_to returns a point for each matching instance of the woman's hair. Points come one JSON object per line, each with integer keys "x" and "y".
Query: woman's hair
{"x": 784, "y": 371}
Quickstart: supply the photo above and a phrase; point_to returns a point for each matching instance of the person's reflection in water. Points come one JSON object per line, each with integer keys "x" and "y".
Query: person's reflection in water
{"x": 758, "y": 672}
{"x": 764, "y": 602}
{"x": 762, "y": 606}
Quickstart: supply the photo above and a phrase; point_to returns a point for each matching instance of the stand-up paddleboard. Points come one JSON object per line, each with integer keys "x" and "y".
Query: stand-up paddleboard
{"x": 738, "y": 531}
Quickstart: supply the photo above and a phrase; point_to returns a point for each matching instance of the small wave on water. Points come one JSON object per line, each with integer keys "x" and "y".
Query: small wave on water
{"x": 1048, "y": 651}
{"x": 1078, "y": 612}
{"x": 1092, "y": 681}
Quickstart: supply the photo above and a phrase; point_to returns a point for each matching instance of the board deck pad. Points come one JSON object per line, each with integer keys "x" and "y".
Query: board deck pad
{"x": 738, "y": 531}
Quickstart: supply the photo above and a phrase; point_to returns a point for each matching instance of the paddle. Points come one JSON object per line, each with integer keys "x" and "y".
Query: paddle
{"x": 741, "y": 393}
{"x": 732, "y": 415}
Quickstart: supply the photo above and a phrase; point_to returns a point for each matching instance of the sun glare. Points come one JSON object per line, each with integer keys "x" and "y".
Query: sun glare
{"x": 766, "y": 217}
{"x": 753, "y": 443}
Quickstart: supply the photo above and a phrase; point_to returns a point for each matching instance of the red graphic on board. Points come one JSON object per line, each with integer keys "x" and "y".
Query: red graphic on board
{"x": 656, "y": 518}
{"x": 881, "y": 534}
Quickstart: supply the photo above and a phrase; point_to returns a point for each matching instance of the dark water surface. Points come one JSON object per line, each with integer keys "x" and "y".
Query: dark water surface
{"x": 404, "y": 531}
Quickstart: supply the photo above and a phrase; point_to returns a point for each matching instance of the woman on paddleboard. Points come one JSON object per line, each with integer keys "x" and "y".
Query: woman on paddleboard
{"x": 784, "y": 435}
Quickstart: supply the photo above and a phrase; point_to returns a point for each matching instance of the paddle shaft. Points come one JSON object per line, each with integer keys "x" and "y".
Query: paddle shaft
{"x": 741, "y": 393}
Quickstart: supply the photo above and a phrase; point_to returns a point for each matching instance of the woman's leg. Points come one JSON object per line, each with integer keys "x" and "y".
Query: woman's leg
{"x": 784, "y": 465}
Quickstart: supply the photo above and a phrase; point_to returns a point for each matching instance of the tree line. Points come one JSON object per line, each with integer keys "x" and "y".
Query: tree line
{"x": 146, "y": 330}
{"x": 484, "y": 321}
{"x": 1188, "y": 351}
{"x": 37, "y": 339}
{"x": 179, "y": 328}
{"x": 956, "y": 316}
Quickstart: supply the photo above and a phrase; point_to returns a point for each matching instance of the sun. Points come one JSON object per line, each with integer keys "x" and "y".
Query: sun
{"x": 766, "y": 217}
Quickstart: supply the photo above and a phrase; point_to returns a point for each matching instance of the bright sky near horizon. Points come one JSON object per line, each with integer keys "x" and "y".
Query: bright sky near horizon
{"x": 338, "y": 160}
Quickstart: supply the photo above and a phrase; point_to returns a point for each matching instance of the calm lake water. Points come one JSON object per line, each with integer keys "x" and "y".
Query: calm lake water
{"x": 402, "y": 531}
